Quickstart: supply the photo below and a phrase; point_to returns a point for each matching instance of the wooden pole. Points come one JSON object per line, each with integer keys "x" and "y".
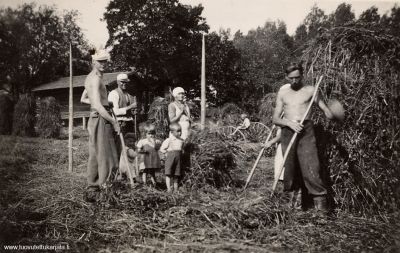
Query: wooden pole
{"x": 203, "y": 84}
{"x": 295, "y": 136}
{"x": 71, "y": 112}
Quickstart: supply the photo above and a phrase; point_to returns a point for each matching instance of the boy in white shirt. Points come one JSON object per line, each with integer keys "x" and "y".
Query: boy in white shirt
{"x": 173, "y": 147}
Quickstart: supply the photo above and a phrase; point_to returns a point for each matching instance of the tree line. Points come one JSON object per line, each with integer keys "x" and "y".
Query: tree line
{"x": 161, "y": 40}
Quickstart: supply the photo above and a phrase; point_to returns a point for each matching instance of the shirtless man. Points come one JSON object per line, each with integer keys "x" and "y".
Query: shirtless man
{"x": 302, "y": 167}
{"x": 102, "y": 149}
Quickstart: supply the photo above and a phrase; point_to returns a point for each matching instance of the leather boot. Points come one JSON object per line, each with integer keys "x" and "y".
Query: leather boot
{"x": 321, "y": 204}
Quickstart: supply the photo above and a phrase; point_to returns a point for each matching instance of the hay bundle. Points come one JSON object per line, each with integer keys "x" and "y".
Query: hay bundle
{"x": 6, "y": 113}
{"x": 158, "y": 115}
{"x": 230, "y": 114}
{"x": 49, "y": 118}
{"x": 266, "y": 108}
{"x": 212, "y": 160}
{"x": 360, "y": 68}
{"x": 24, "y": 116}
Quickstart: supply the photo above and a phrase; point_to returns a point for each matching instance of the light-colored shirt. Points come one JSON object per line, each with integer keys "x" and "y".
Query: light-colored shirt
{"x": 171, "y": 144}
{"x": 113, "y": 97}
{"x": 245, "y": 124}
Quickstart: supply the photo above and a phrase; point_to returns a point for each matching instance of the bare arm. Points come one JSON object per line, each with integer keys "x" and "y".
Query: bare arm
{"x": 324, "y": 107}
{"x": 85, "y": 97}
{"x": 276, "y": 139}
{"x": 174, "y": 114}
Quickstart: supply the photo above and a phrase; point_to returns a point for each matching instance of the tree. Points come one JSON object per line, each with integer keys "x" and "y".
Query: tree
{"x": 264, "y": 54}
{"x": 315, "y": 21}
{"x": 392, "y": 23}
{"x": 370, "y": 16}
{"x": 160, "y": 38}
{"x": 34, "y": 45}
{"x": 222, "y": 68}
{"x": 342, "y": 15}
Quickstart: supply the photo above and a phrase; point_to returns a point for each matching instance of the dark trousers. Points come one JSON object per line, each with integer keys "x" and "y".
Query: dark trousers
{"x": 302, "y": 167}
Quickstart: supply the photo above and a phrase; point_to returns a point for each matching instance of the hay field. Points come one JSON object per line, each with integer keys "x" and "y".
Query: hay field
{"x": 41, "y": 203}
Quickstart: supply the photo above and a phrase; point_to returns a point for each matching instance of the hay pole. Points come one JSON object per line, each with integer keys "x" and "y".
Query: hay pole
{"x": 295, "y": 136}
{"x": 203, "y": 83}
{"x": 71, "y": 112}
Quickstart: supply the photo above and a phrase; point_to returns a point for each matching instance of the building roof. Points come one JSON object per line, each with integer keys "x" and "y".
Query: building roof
{"x": 78, "y": 81}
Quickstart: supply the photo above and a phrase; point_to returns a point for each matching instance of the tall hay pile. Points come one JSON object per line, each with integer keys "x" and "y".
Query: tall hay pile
{"x": 158, "y": 115}
{"x": 49, "y": 118}
{"x": 24, "y": 116}
{"x": 213, "y": 158}
{"x": 6, "y": 113}
{"x": 266, "y": 108}
{"x": 361, "y": 69}
{"x": 230, "y": 114}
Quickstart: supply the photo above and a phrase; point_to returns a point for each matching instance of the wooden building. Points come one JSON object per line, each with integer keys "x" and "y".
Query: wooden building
{"x": 60, "y": 90}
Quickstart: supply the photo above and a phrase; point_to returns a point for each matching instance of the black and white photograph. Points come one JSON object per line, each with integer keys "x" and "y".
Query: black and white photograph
{"x": 152, "y": 126}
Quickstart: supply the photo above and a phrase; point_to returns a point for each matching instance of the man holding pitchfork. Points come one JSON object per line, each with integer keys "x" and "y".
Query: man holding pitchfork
{"x": 302, "y": 166}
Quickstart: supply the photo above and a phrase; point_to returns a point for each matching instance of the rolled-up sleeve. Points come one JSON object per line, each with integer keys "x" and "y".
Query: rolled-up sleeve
{"x": 113, "y": 97}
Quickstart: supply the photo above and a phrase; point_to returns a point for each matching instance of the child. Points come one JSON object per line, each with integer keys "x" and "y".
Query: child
{"x": 173, "y": 146}
{"x": 245, "y": 124}
{"x": 149, "y": 148}
{"x": 131, "y": 154}
{"x": 278, "y": 156}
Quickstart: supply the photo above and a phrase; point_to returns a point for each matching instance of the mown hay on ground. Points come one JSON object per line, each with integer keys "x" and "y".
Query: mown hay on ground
{"x": 360, "y": 68}
{"x": 49, "y": 118}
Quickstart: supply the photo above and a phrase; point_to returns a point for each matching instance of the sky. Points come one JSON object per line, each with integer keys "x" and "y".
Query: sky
{"x": 240, "y": 15}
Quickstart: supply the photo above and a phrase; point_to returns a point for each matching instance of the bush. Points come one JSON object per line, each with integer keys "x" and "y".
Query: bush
{"x": 24, "y": 116}
{"x": 49, "y": 118}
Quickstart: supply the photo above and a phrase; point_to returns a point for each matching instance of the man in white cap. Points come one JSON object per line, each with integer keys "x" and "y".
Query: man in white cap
{"x": 124, "y": 106}
{"x": 102, "y": 149}
{"x": 178, "y": 112}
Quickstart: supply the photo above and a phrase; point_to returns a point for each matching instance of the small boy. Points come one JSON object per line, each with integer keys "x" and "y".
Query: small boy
{"x": 173, "y": 146}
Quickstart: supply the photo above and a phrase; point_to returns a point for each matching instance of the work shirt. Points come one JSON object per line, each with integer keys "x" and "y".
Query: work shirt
{"x": 121, "y": 112}
{"x": 171, "y": 144}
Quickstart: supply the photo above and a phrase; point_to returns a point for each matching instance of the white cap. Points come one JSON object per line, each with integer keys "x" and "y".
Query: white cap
{"x": 101, "y": 55}
{"x": 177, "y": 90}
{"x": 123, "y": 77}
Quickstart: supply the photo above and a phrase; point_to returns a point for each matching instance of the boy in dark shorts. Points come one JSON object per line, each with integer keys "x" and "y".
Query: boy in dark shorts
{"x": 173, "y": 146}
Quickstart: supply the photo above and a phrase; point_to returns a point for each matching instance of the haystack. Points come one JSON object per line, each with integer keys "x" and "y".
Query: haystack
{"x": 158, "y": 115}
{"x": 212, "y": 160}
{"x": 360, "y": 68}
{"x": 6, "y": 113}
{"x": 49, "y": 118}
{"x": 266, "y": 108}
{"x": 24, "y": 116}
{"x": 230, "y": 114}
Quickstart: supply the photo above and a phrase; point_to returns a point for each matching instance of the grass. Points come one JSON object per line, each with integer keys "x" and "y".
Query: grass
{"x": 42, "y": 203}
